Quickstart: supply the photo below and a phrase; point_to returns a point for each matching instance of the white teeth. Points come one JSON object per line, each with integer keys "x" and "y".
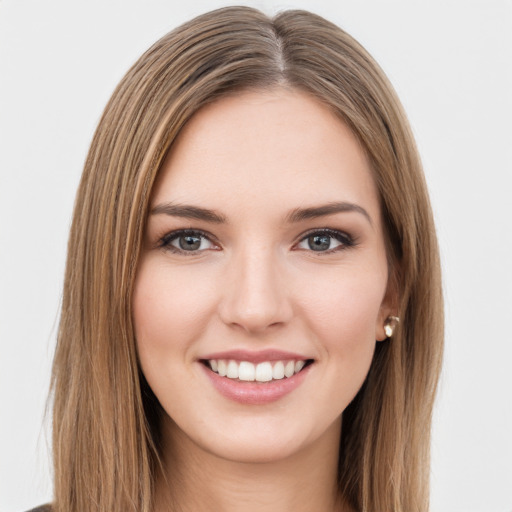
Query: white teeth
{"x": 289, "y": 369}
{"x": 278, "y": 370}
{"x": 246, "y": 371}
{"x": 262, "y": 372}
{"x": 232, "y": 371}
{"x": 222, "y": 367}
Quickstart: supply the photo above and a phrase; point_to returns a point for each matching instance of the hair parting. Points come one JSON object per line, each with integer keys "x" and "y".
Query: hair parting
{"x": 105, "y": 417}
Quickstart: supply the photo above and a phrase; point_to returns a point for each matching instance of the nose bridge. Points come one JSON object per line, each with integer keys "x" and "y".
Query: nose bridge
{"x": 256, "y": 297}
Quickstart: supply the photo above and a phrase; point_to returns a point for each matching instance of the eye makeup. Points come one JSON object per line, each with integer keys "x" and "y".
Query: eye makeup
{"x": 189, "y": 242}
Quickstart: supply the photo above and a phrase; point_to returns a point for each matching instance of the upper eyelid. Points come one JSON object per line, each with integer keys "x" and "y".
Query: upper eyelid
{"x": 167, "y": 237}
{"x": 165, "y": 240}
{"x": 328, "y": 231}
{"x": 346, "y": 240}
{"x": 188, "y": 231}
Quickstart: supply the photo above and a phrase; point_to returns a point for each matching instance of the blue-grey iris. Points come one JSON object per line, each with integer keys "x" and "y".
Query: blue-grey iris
{"x": 319, "y": 242}
{"x": 189, "y": 242}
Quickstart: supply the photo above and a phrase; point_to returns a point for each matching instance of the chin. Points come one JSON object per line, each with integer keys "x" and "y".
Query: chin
{"x": 257, "y": 450}
{"x": 257, "y": 440}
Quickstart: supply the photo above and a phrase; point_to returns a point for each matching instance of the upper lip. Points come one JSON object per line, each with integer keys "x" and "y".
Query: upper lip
{"x": 259, "y": 356}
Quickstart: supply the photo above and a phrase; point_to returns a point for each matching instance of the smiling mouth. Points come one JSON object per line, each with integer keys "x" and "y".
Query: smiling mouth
{"x": 265, "y": 371}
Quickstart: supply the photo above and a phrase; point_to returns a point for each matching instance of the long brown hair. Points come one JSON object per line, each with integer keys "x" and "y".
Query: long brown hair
{"x": 105, "y": 417}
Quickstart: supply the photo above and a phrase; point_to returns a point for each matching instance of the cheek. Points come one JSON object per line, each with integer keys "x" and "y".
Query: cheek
{"x": 343, "y": 313}
{"x": 167, "y": 311}
{"x": 348, "y": 300}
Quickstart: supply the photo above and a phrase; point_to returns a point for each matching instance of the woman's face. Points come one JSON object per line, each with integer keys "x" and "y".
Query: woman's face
{"x": 264, "y": 258}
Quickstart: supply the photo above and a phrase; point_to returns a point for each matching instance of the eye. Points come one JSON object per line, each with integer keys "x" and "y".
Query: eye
{"x": 189, "y": 241}
{"x": 326, "y": 240}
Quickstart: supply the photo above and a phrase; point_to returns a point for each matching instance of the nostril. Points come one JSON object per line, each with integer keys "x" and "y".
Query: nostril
{"x": 256, "y": 301}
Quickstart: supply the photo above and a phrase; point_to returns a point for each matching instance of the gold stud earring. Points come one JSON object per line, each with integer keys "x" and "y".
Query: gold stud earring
{"x": 390, "y": 325}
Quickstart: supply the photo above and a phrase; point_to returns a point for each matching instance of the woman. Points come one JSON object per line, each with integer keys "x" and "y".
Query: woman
{"x": 252, "y": 312}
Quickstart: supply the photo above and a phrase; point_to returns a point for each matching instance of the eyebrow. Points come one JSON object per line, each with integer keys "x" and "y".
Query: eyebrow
{"x": 300, "y": 214}
{"x": 296, "y": 215}
{"x": 188, "y": 212}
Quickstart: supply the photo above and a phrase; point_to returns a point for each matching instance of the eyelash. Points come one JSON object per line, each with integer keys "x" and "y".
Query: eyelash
{"x": 167, "y": 239}
{"x": 346, "y": 241}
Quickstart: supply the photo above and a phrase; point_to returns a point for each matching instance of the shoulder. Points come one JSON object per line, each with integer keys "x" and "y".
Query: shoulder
{"x": 42, "y": 508}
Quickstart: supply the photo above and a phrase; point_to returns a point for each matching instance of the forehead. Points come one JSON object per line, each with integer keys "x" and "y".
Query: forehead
{"x": 280, "y": 147}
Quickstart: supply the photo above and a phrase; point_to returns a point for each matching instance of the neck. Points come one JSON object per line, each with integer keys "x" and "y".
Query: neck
{"x": 194, "y": 479}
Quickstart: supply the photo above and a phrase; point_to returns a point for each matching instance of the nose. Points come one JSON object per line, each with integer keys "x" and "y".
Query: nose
{"x": 255, "y": 297}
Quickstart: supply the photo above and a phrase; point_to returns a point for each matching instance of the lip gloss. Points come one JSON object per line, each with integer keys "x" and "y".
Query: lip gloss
{"x": 255, "y": 393}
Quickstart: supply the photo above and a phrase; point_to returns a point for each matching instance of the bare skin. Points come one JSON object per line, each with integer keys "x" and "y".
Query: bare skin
{"x": 264, "y": 237}
{"x": 201, "y": 481}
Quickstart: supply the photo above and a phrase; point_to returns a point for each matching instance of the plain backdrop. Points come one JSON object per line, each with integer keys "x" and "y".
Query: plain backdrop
{"x": 451, "y": 63}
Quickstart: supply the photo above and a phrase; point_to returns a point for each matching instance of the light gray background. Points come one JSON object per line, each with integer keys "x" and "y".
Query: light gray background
{"x": 451, "y": 63}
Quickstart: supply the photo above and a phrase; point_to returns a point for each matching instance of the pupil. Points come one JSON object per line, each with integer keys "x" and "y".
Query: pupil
{"x": 319, "y": 242}
{"x": 190, "y": 243}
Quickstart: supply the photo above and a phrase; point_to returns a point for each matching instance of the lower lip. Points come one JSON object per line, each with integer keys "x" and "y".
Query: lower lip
{"x": 255, "y": 393}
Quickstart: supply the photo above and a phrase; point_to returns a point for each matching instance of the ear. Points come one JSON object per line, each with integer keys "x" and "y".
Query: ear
{"x": 388, "y": 307}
